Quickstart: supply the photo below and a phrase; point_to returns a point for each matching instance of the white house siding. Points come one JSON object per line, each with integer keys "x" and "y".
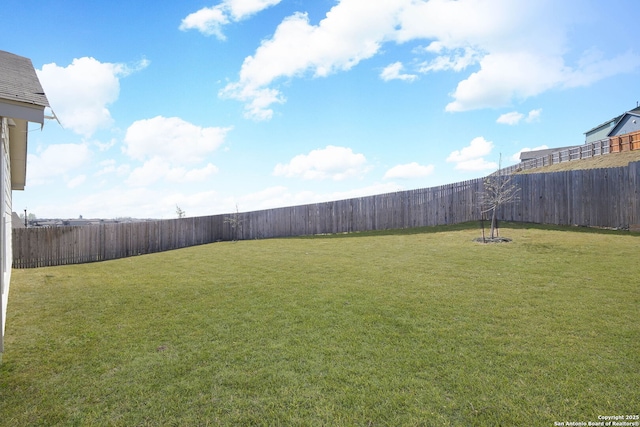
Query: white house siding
{"x": 5, "y": 225}
{"x": 22, "y": 100}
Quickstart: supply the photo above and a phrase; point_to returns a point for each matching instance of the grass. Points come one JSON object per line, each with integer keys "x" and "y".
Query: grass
{"x": 611, "y": 160}
{"x": 411, "y": 327}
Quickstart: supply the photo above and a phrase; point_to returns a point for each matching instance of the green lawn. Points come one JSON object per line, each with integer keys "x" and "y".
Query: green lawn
{"x": 414, "y": 327}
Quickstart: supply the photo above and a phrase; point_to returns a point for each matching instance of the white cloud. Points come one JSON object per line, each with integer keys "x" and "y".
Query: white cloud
{"x": 118, "y": 202}
{"x": 505, "y": 76}
{"x": 121, "y": 202}
{"x": 76, "y": 181}
{"x": 104, "y": 146}
{"x": 352, "y": 30}
{"x": 193, "y": 204}
{"x": 258, "y": 100}
{"x": 592, "y": 67}
{"x": 81, "y": 92}
{"x": 434, "y": 47}
{"x": 470, "y": 158}
{"x": 518, "y": 49}
{"x": 211, "y": 202}
{"x": 56, "y": 161}
{"x": 409, "y": 171}
{"x": 109, "y": 166}
{"x": 393, "y": 72}
{"x": 454, "y": 24}
{"x": 518, "y": 46}
{"x": 514, "y": 117}
{"x": 477, "y": 148}
{"x": 534, "y": 115}
{"x": 150, "y": 172}
{"x": 270, "y": 197}
{"x": 278, "y": 196}
{"x": 157, "y": 169}
{"x": 241, "y": 9}
{"x": 172, "y": 140}
{"x": 332, "y": 162}
{"x": 455, "y": 61}
{"x": 182, "y": 175}
{"x": 210, "y": 20}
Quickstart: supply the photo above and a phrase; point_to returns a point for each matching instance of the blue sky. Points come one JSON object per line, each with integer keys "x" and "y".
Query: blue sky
{"x": 254, "y": 104}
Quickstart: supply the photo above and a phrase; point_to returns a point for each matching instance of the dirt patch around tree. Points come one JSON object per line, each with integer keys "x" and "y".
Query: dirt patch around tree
{"x": 492, "y": 240}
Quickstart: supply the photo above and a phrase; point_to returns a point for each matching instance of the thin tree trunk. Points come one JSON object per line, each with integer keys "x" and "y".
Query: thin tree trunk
{"x": 493, "y": 223}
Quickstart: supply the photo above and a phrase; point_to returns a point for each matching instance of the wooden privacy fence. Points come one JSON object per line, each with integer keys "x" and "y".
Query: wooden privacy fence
{"x": 448, "y": 204}
{"x": 597, "y": 197}
{"x": 586, "y": 151}
{"x": 48, "y": 246}
{"x": 593, "y": 197}
{"x": 626, "y": 142}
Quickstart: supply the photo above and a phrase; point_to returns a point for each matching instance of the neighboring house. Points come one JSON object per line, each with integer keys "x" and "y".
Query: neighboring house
{"x": 628, "y": 123}
{"x": 16, "y": 221}
{"x": 604, "y": 131}
{"x": 22, "y": 100}
{"x": 622, "y": 133}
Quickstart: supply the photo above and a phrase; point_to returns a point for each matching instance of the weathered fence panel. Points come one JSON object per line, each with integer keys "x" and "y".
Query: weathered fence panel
{"x": 593, "y": 197}
{"x": 596, "y": 197}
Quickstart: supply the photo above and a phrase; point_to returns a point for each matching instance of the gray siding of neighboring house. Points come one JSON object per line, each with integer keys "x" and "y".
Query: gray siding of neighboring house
{"x": 606, "y": 129}
{"x": 629, "y": 123}
{"x": 600, "y": 132}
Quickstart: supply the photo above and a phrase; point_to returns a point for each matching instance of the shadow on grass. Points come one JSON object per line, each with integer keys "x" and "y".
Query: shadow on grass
{"x": 472, "y": 225}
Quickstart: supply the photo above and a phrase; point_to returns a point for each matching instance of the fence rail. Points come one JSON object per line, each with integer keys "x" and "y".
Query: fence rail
{"x": 596, "y": 197}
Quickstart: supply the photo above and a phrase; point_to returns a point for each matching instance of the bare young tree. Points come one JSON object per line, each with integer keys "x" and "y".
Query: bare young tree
{"x": 499, "y": 190}
{"x": 180, "y": 212}
{"x": 235, "y": 222}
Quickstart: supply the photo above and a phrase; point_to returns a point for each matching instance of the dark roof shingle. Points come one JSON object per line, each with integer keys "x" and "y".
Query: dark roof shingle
{"x": 19, "y": 82}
